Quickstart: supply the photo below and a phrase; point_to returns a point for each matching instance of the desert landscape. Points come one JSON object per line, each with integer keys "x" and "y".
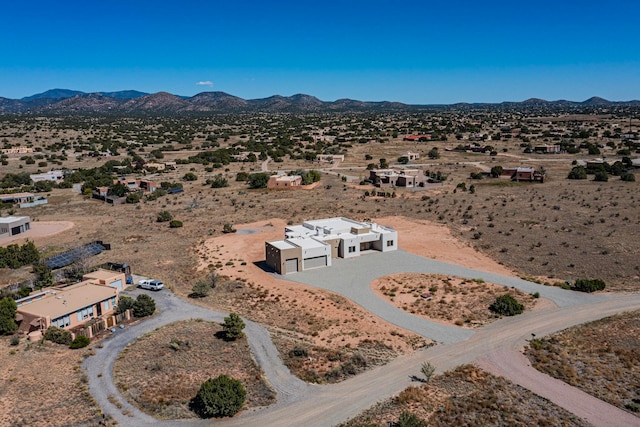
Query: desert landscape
{"x": 550, "y": 233}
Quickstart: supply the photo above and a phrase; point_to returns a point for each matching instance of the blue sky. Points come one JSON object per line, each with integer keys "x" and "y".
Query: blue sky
{"x": 419, "y": 52}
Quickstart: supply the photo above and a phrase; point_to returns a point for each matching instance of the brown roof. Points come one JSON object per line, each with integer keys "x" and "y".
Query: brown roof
{"x": 68, "y": 300}
{"x": 105, "y": 275}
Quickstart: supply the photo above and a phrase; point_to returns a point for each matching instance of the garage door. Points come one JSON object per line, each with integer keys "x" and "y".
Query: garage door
{"x": 291, "y": 265}
{"x": 117, "y": 284}
{"x": 319, "y": 261}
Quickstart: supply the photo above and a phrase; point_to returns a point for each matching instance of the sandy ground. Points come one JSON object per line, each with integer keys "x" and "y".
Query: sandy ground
{"x": 39, "y": 230}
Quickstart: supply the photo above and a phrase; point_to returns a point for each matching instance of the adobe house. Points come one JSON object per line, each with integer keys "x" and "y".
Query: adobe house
{"x": 527, "y": 174}
{"x": 284, "y": 181}
{"x": 114, "y": 279}
{"x": 314, "y": 243}
{"x": 68, "y": 307}
{"x": 396, "y": 178}
{"x": 12, "y": 225}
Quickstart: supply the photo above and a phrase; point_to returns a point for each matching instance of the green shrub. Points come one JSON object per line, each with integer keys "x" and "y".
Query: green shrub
{"x": 589, "y": 285}
{"x": 228, "y": 228}
{"x": 601, "y": 176}
{"x": 132, "y": 198}
{"x": 164, "y": 216}
{"x": 200, "y": 290}
{"x": 506, "y": 305}
{"x": 628, "y": 177}
{"x": 15, "y": 340}
{"x": 125, "y": 303}
{"x": 79, "y": 342}
{"x": 175, "y": 224}
{"x": 578, "y": 172}
{"x": 8, "y": 309}
{"x": 190, "y": 176}
{"x": 258, "y": 180}
{"x": 144, "y": 306}
{"x": 233, "y": 326}
{"x": 219, "y": 397}
{"x": 407, "y": 419}
{"x": 58, "y": 335}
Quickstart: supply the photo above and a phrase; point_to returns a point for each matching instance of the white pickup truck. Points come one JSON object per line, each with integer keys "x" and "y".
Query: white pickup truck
{"x": 151, "y": 284}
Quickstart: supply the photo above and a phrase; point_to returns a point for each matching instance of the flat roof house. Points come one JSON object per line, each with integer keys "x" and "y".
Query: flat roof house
{"x": 114, "y": 279}
{"x": 12, "y": 225}
{"x": 314, "y": 243}
{"x": 284, "y": 181}
{"x": 67, "y": 307}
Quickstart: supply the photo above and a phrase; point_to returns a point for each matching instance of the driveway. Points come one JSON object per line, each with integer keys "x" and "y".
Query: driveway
{"x": 352, "y": 278}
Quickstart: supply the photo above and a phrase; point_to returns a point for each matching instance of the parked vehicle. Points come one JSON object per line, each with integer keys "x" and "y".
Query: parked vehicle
{"x": 151, "y": 284}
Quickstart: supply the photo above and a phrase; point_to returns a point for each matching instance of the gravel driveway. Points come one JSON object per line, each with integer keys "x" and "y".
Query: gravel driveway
{"x": 352, "y": 278}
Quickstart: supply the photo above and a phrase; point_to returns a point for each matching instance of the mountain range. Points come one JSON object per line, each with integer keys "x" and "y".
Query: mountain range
{"x": 132, "y": 102}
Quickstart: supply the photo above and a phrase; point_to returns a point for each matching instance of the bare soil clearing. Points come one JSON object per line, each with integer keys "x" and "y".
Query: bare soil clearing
{"x": 451, "y": 300}
{"x": 161, "y": 371}
{"x": 39, "y": 230}
{"x": 43, "y": 386}
{"x": 471, "y": 397}
{"x": 600, "y": 358}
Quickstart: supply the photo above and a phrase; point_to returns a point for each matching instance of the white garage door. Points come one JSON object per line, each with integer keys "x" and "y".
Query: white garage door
{"x": 117, "y": 284}
{"x": 319, "y": 261}
{"x": 291, "y": 265}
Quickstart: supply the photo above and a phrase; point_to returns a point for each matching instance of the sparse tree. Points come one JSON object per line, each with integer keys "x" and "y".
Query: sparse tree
{"x": 164, "y": 216}
{"x": 506, "y": 305}
{"x": 232, "y": 327}
{"x": 144, "y": 306}
{"x": 8, "y": 309}
{"x": 428, "y": 370}
{"x": 200, "y": 290}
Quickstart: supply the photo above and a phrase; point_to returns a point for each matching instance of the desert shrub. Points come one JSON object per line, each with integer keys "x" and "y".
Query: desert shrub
{"x": 200, "y": 290}
{"x": 219, "y": 182}
{"x": 258, "y": 180}
{"x": 125, "y": 303}
{"x": 132, "y": 198}
{"x": 506, "y": 305}
{"x": 190, "y": 176}
{"x": 408, "y": 419}
{"x": 175, "y": 224}
{"x": 577, "y": 172}
{"x": 299, "y": 352}
{"x": 628, "y": 177}
{"x": 601, "y": 176}
{"x": 232, "y": 327}
{"x": 219, "y": 397}
{"x": 144, "y": 306}
{"x": 476, "y": 175}
{"x": 79, "y": 342}
{"x": 589, "y": 285}
{"x": 428, "y": 370}
{"x": 242, "y": 176}
{"x": 15, "y": 340}
{"x": 58, "y": 335}
{"x": 164, "y": 216}
{"x": 228, "y": 228}
{"x": 8, "y": 309}
{"x": 433, "y": 153}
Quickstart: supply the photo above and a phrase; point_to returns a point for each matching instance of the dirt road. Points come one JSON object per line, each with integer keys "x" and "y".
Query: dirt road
{"x": 495, "y": 346}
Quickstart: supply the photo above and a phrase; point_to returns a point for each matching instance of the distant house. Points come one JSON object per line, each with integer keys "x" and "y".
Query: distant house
{"x": 315, "y": 243}
{"x": 17, "y": 150}
{"x": 284, "y": 181}
{"x": 24, "y": 200}
{"x": 330, "y": 158}
{"x": 52, "y": 175}
{"x": 414, "y": 138}
{"x": 396, "y": 178}
{"x": 13, "y": 225}
{"x": 526, "y": 174}
{"x": 411, "y": 156}
{"x": 547, "y": 149}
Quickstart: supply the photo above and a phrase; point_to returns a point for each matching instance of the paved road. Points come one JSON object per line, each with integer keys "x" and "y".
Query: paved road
{"x": 301, "y": 404}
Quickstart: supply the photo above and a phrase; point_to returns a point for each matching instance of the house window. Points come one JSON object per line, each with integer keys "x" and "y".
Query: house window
{"x": 352, "y": 249}
{"x": 389, "y": 243}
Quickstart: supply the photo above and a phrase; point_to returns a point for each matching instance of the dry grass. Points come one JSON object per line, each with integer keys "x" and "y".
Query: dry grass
{"x": 468, "y": 396}
{"x": 42, "y": 385}
{"x": 454, "y": 300}
{"x": 600, "y": 357}
{"x": 161, "y": 371}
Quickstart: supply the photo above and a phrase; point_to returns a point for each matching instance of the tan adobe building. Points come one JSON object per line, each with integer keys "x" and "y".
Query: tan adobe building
{"x": 284, "y": 181}
{"x": 114, "y": 279}
{"x": 315, "y": 243}
{"x": 67, "y": 307}
{"x": 397, "y": 178}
